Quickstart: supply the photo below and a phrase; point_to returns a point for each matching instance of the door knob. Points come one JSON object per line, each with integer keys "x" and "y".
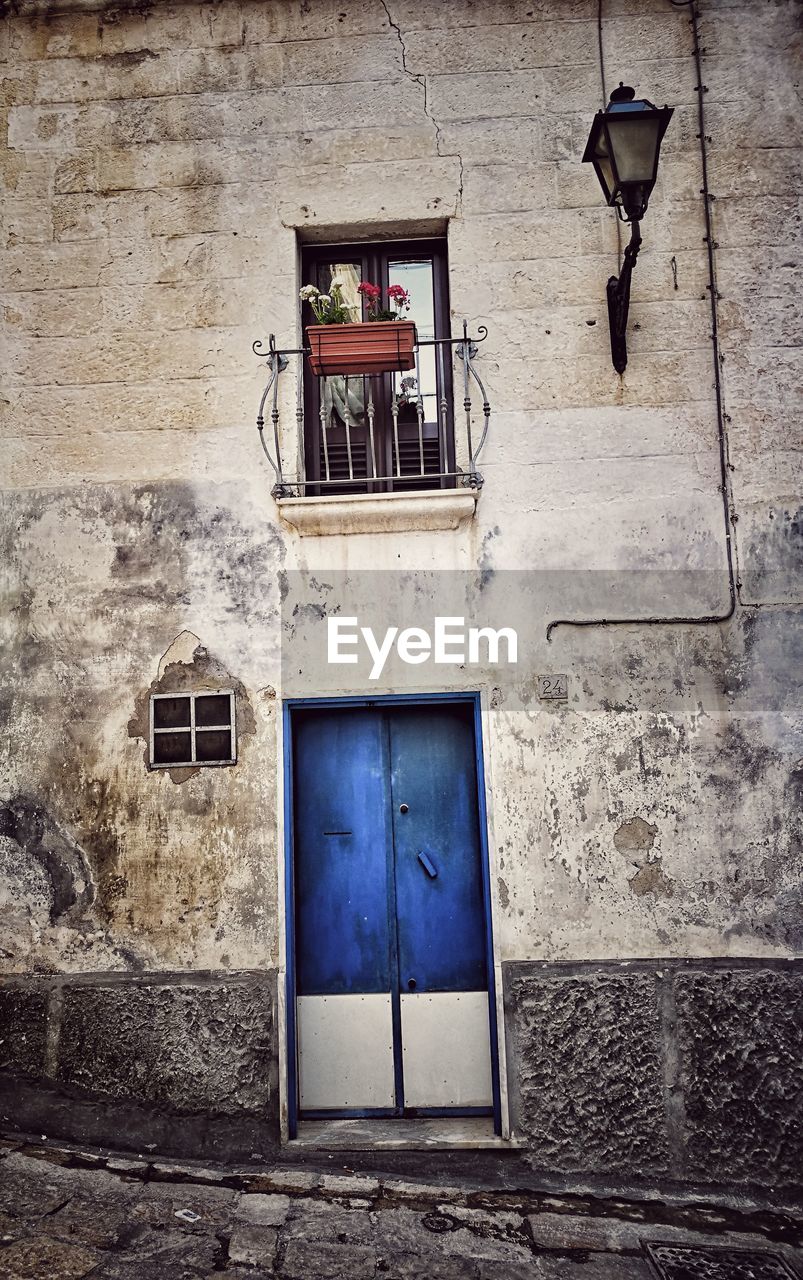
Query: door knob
{"x": 412, "y": 984}
{"x": 404, "y": 808}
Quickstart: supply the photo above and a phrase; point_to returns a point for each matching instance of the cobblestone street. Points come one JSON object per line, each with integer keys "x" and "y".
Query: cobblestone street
{"x": 69, "y": 1214}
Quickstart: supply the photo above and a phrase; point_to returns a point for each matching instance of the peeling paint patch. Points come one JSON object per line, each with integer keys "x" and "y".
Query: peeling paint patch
{"x": 181, "y": 650}
{"x": 189, "y": 671}
{"x": 634, "y": 840}
{"x": 651, "y": 878}
{"x": 635, "y": 836}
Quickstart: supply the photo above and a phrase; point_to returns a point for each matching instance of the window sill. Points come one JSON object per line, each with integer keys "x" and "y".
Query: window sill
{"x": 379, "y": 512}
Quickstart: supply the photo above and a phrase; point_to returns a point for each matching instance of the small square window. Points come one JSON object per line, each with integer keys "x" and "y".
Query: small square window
{"x": 212, "y": 744}
{"x": 192, "y": 729}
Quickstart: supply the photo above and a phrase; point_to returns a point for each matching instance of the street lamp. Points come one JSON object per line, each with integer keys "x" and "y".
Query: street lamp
{"x": 623, "y": 146}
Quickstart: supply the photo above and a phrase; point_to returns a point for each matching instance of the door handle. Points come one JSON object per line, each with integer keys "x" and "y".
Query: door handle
{"x": 428, "y": 864}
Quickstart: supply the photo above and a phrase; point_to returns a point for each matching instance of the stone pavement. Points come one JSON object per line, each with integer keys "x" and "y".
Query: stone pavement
{"x": 66, "y": 1214}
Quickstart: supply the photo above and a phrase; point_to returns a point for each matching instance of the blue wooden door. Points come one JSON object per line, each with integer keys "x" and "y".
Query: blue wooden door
{"x": 440, "y": 912}
{"x": 391, "y": 964}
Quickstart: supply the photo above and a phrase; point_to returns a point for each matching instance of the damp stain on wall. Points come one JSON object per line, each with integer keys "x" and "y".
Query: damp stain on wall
{"x": 176, "y": 875}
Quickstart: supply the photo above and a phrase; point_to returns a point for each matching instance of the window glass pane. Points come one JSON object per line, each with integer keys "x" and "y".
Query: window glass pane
{"x": 213, "y": 709}
{"x": 337, "y": 397}
{"x": 171, "y": 713}
{"x": 349, "y": 274}
{"x": 213, "y": 744}
{"x": 171, "y": 748}
{"x": 417, "y": 279}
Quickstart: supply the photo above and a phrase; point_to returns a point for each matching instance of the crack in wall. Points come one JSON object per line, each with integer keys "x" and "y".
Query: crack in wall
{"x": 422, "y": 81}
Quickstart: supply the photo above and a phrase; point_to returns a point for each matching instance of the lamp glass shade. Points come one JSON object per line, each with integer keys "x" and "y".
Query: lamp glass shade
{"x": 624, "y": 145}
{"x": 603, "y": 166}
{"x": 635, "y": 142}
{"x": 605, "y": 174}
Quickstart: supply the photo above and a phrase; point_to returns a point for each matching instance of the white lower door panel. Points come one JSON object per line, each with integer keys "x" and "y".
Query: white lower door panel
{"x": 345, "y": 1052}
{"x": 446, "y": 1048}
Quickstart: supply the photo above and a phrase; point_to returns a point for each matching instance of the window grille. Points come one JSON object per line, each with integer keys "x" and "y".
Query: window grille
{"x": 192, "y": 729}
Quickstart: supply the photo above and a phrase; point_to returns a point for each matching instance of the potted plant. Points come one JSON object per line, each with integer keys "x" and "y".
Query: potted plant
{"x": 383, "y": 342}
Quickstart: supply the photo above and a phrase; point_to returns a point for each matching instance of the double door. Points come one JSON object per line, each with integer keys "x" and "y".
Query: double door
{"x": 391, "y": 949}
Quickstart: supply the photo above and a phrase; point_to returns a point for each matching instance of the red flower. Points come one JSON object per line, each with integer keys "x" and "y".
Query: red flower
{"x": 397, "y": 293}
{"x": 369, "y": 291}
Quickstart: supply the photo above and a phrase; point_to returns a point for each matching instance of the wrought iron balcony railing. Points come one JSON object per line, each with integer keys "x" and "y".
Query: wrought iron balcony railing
{"x": 370, "y": 433}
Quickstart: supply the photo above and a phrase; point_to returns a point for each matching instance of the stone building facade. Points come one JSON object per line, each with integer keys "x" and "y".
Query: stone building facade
{"x": 165, "y": 166}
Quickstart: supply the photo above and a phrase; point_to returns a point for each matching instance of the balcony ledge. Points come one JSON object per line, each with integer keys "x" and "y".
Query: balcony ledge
{"x": 426, "y": 510}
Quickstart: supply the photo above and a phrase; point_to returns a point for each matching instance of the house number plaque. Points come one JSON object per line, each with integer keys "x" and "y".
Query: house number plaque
{"x": 553, "y": 688}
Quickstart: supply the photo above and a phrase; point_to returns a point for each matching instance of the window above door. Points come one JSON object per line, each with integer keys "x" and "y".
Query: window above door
{"x": 390, "y": 432}
{"x": 377, "y": 451}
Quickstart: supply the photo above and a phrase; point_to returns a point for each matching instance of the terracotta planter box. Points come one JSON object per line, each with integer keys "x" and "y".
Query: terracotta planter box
{"x": 378, "y": 347}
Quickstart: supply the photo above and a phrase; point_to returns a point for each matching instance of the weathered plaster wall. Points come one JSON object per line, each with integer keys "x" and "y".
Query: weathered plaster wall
{"x": 160, "y": 166}
{"x": 102, "y": 581}
{"x": 653, "y": 812}
{"x": 677, "y": 832}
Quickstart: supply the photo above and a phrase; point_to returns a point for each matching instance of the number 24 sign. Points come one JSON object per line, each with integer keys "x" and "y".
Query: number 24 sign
{"x": 553, "y": 688}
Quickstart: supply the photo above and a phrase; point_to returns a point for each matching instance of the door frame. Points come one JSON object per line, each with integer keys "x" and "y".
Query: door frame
{"x": 287, "y": 995}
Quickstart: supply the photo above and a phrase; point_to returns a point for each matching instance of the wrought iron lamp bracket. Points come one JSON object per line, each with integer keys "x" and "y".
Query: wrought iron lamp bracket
{"x": 619, "y": 301}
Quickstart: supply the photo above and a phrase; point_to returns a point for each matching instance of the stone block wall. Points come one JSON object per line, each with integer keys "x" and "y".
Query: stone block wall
{"x": 589, "y": 1070}
{"x": 640, "y": 1075}
{"x": 669, "y": 1071}
{"x": 23, "y": 1030}
{"x": 191, "y": 1060}
{"x": 740, "y": 1046}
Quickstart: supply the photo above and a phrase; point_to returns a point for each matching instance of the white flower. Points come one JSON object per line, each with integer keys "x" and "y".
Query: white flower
{"x": 337, "y": 283}
{"x": 325, "y": 298}
{"x": 309, "y": 291}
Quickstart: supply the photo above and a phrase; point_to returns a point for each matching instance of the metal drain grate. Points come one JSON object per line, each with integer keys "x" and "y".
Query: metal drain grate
{"x": 440, "y": 1222}
{"x": 681, "y": 1262}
